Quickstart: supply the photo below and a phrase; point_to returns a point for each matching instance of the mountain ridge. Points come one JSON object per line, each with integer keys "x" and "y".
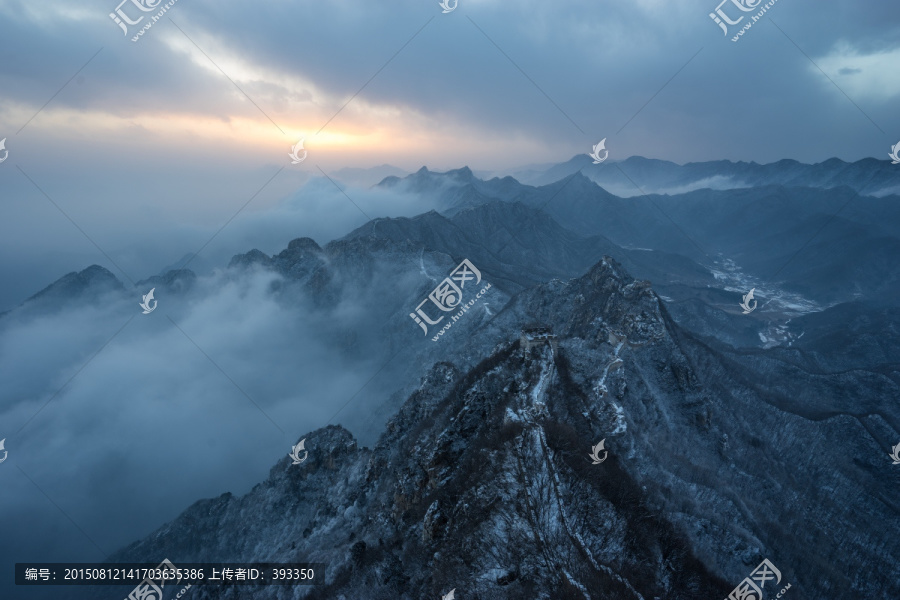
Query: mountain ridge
{"x": 415, "y": 516}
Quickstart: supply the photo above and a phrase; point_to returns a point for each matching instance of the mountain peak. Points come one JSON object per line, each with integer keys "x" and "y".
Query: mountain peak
{"x": 89, "y": 277}
{"x": 304, "y": 243}
{"x": 464, "y": 173}
{"x": 174, "y": 280}
{"x": 251, "y": 257}
{"x": 576, "y": 182}
{"x": 87, "y": 284}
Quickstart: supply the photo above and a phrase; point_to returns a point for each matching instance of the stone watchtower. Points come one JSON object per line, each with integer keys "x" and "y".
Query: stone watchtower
{"x": 537, "y": 336}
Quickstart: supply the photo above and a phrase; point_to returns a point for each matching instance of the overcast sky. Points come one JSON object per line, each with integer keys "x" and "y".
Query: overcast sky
{"x": 149, "y": 147}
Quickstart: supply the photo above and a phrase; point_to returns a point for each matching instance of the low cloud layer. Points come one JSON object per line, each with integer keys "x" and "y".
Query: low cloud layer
{"x": 143, "y": 243}
{"x": 152, "y": 408}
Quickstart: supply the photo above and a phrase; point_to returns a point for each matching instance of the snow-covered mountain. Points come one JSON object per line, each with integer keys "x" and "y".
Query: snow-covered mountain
{"x": 482, "y": 482}
{"x": 802, "y": 248}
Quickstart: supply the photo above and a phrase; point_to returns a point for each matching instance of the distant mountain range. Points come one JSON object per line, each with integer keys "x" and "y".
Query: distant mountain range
{"x": 803, "y": 249}
{"x": 636, "y": 175}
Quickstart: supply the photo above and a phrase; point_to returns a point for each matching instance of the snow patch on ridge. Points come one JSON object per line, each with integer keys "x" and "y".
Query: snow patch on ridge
{"x": 621, "y": 425}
